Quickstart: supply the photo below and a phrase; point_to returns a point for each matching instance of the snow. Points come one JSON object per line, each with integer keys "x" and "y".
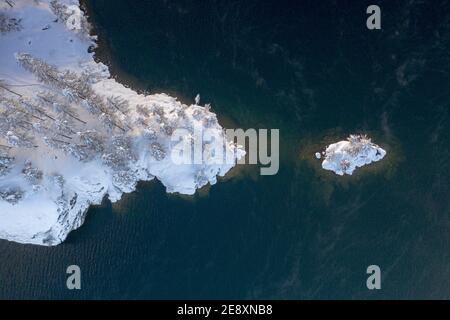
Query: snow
{"x": 344, "y": 157}
{"x": 74, "y": 21}
{"x": 47, "y": 188}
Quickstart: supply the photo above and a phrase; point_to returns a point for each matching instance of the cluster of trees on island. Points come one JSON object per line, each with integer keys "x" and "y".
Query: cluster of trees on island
{"x": 69, "y": 115}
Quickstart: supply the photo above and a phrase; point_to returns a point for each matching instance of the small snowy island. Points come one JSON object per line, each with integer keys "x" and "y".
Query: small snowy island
{"x": 344, "y": 157}
{"x": 70, "y": 135}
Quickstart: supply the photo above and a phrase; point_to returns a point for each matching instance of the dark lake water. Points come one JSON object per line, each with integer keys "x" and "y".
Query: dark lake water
{"x": 313, "y": 70}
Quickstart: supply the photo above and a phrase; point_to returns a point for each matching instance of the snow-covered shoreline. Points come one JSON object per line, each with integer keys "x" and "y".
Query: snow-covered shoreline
{"x": 345, "y": 156}
{"x": 71, "y": 135}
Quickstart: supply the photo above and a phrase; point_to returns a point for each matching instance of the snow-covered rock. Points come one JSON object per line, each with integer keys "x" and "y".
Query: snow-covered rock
{"x": 71, "y": 135}
{"x": 344, "y": 157}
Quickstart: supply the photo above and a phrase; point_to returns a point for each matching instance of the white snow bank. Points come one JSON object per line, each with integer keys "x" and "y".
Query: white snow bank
{"x": 344, "y": 157}
{"x": 70, "y": 135}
